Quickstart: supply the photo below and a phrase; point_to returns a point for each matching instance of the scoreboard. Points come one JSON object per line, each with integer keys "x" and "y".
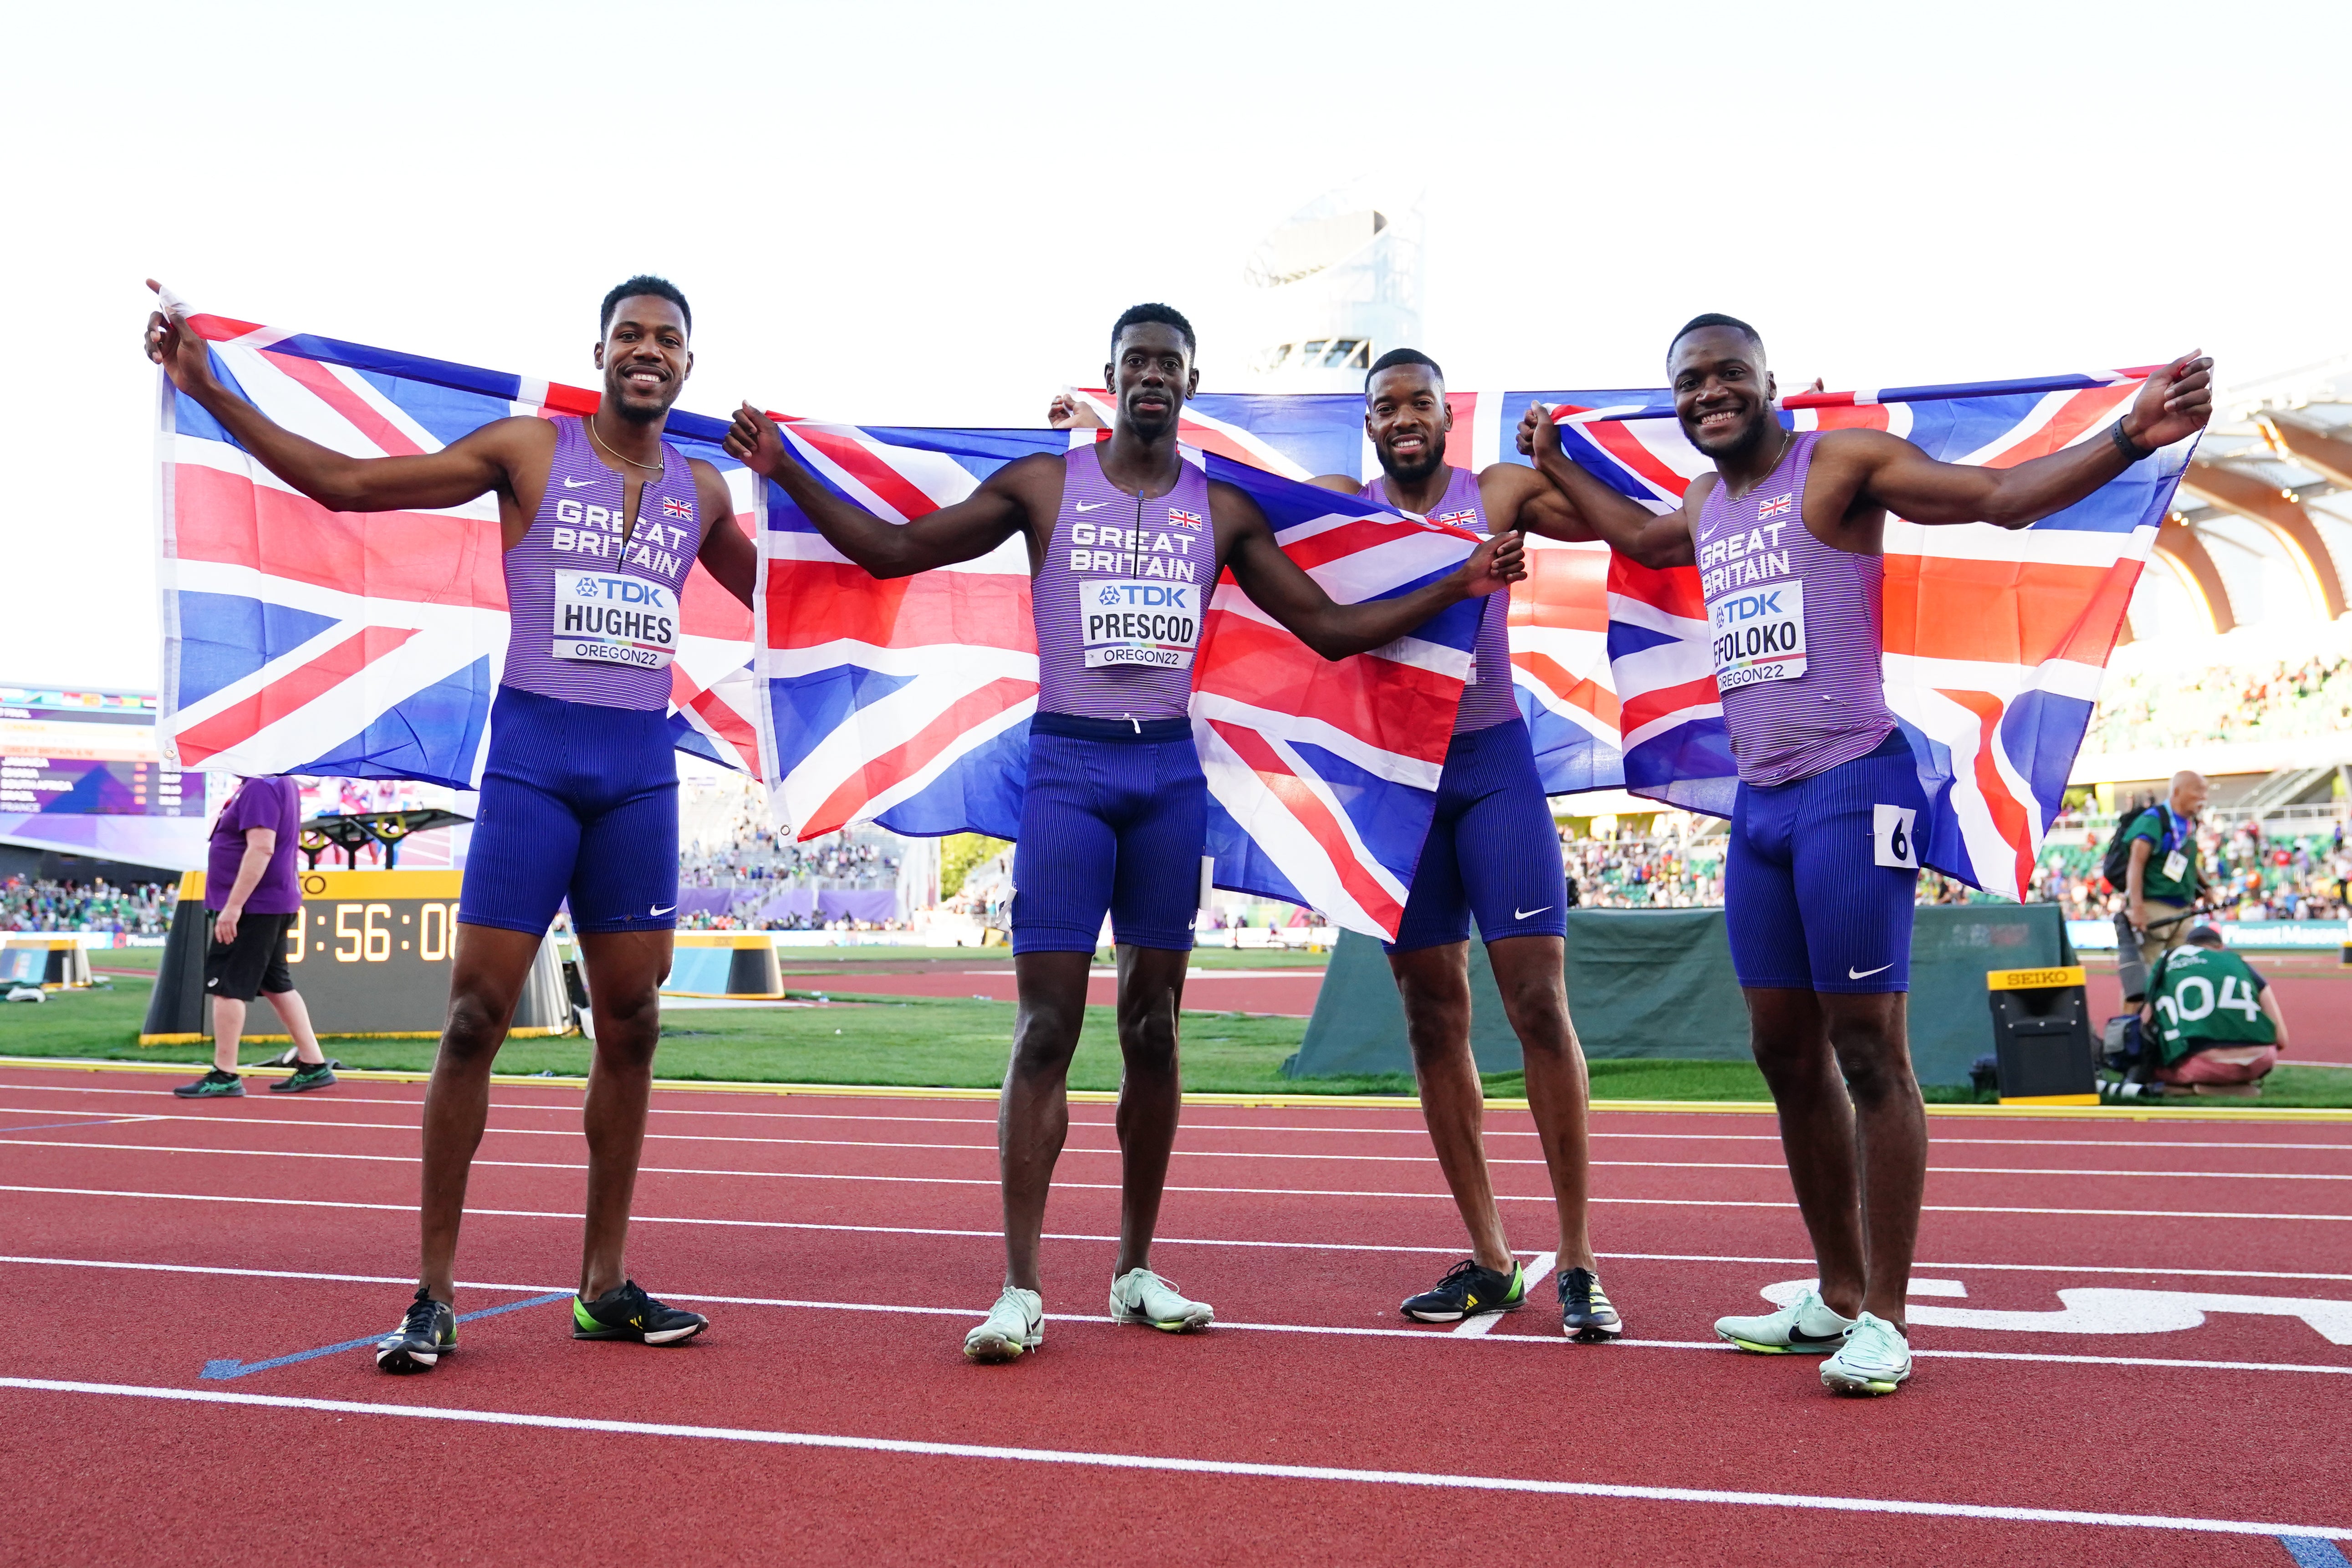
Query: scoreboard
{"x": 371, "y": 955}
{"x": 85, "y": 786}
{"x": 87, "y": 754}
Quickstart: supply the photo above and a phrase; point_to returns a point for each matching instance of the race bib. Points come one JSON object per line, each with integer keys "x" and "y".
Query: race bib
{"x": 1891, "y": 840}
{"x": 1124, "y": 620}
{"x": 2176, "y": 867}
{"x": 1759, "y": 634}
{"x": 608, "y": 617}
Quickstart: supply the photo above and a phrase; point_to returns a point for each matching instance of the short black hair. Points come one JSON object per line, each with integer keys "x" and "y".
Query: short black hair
{"x": 2203, "y": 936}
{"x": 1395, "y": 357}
{"x": 1717, "y": 319}
{"x": 1166, "y": 315}
{"x": 643, "y": 283}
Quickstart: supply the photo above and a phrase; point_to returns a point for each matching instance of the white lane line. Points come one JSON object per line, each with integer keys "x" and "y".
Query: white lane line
{"x": 2118, "y": 1143}
{"x": 1539, "y": 1268}
{"x": 1187, "y": 1153}
{"x": 1114, "y": 1186}
{"x": 1344, "y": 1331}
{"x": 1189, "y": 1465}
{"x": 2164, "y": 1272}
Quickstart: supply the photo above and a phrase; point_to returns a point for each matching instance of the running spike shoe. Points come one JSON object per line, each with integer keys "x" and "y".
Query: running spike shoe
{"x": 1804, "y": 1327}
{"x": 1014, "y": 1326}
{"x": 626, "y": 1312}
{"x": 1585, "y": 1313}
{"x": 424, "y": 1337}
{"x": 305, "y": 1076}
{"x": 214, "y": 1084}
{"x": 1469, "y": 1289}
{"x": 1874, "y": 1359}
{"x": 1140, "y": 1296}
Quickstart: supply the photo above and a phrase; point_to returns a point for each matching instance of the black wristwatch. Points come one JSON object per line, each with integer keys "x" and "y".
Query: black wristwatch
{"x": 2132, "y": 450}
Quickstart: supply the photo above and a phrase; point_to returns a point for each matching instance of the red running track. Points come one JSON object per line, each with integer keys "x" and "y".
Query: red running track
{"x": 1286, "y": 993}
{"x": 842, "y": 1247}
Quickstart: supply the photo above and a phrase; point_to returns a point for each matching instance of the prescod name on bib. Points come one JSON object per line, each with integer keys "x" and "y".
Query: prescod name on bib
{"x": 606, "y": 617}
{"x": 1759, "y": 634}
{"x": 1124, "y": 620}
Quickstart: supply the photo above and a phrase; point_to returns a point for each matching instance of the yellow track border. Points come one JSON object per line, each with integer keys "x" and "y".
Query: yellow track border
{"x": 1264, "y": 1102}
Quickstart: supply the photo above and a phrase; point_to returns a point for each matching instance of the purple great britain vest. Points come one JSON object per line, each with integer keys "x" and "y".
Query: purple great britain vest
{"x": 1488, "y": 700}
{"x": 592, "y": 603}
{"x": 1798, "y": 657}
{"x": 1119, "y": 599}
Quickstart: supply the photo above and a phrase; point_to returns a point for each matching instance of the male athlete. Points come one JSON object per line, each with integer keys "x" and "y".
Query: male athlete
{"x": 1491, "y": 849}
{"x": 1821, "y": 870}
{"x": 1115, "y": 816}
{"x": 602, "y": 521}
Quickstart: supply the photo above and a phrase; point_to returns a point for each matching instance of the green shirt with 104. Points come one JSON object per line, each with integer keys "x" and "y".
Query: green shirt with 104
{"x": 2208, "y": 997}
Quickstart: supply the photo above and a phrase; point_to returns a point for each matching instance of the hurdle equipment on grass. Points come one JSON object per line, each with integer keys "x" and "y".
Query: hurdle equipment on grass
{"x": 51, "y": 963}
{"x": 371, "y": 956}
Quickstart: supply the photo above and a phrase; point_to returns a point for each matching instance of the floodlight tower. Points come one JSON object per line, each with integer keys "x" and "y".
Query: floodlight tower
{"x": 1340, "y": 283}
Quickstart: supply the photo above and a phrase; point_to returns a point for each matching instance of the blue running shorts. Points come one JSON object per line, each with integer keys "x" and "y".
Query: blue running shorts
{"x": 1809, "y": 904}
{"x": 1492, "y": 849}
{"x": 580, "y": 802}
{"x": 1115, "y": 818}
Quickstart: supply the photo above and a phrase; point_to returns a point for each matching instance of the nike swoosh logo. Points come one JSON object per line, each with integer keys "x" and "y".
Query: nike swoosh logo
{"x": 1088, "y": 505}
{"x": 1853, "y": 973}
{"x": 576, "y": 484}
{"x": 665, "y": 912}
{"x": 1520, "y": 914}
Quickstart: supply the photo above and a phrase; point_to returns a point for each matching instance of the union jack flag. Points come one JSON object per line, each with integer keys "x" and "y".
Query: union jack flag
{"x": 907, "y": 703}
{"x": 673, "y": 506}
{"x": 299, "y": 639}
{"x": 1995, "y": 640}
{"x": 1778, "y": 506}
{"x": 1189, "y": 519}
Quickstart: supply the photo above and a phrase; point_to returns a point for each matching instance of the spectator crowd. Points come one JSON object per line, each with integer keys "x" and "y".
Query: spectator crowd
{"x": 30, "y": 904}
{"x": 2151, "y": 710}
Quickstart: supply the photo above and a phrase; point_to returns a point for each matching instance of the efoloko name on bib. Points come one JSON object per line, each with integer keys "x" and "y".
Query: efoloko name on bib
{"x": 610, "y": 617}
{"x": 1759, "y": 634}
{"x": 1125, "y": 620}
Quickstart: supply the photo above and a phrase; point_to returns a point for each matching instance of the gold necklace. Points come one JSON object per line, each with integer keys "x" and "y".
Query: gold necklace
{"x": 650, "y": 468}
{"x": 1788, "y": 439}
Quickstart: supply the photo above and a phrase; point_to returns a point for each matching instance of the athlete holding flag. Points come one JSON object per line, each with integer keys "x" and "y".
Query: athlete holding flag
{"x": 1126, "y": 540}
{"x": 1821, "y": 870}
{"x": 601, "y": 521}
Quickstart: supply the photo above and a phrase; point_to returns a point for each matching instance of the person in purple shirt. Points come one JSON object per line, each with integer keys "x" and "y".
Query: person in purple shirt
{"x": 1820, "y": 869}
{"x": 252, "y": 897}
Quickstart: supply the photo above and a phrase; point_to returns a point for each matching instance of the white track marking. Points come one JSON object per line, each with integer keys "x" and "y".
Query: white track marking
{"x": 1416, "y": 1159}
{"x": 1189, "y": 1466}
{"x": 974, "y": 1122}
{"x": 1539, "y": 1268}
{"x": 1114, "y": 1186}
{"x": 1344, "y": 1330}
{"x": 2175, "y": 1272}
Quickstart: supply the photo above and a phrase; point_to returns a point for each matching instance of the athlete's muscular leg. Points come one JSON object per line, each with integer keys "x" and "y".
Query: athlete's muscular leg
{"x": 1871, "y": 1038}
{"x": 1150, "y": 1090}
{"x": 1435, "y": 984}
{"x": 1531, "y": 973}
{"x": 1856, "y": 1134}
{"x": 485, "y": 980}
{"x": 1033, "y": 1114}
{"x": 626, "y": 969}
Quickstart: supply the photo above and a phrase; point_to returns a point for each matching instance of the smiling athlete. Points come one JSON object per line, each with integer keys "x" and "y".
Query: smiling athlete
{"x": 1821, "y": 868}
{"x": 1491, "y": 850}
{"x": 601, "y": 519}
{"x": 1116, "y": 816}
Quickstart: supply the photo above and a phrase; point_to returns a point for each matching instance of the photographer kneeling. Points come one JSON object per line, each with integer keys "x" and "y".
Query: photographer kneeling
{"x": 2217, "y": 1023}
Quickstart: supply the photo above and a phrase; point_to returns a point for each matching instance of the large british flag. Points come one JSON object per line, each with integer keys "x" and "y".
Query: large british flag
{"x": 1995, "y": 641}
{"x": 907, "y": 703}
{"x": 299, "y": 639}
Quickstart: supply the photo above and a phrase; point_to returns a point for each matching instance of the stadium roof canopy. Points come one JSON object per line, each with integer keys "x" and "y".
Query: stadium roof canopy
{"x": 2261, "y": 529}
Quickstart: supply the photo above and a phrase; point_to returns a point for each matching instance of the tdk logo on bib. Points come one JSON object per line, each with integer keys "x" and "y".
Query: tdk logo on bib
{"x": 1759, "y": 634}
{"x": 1128, "y": 621}
{"x": 605, "y": 617}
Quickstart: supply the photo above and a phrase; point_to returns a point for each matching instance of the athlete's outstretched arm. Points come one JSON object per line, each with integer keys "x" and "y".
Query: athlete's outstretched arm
{"x": 970, "y": 527}
{"x": 1516, "y": 496}
{"x": 727, "y": 553}
{"x": 471, "y": 466}
{"x": 2175, "y": 403}
{"x": 1280, "y": 587}
{"x": 1630, "y": 528}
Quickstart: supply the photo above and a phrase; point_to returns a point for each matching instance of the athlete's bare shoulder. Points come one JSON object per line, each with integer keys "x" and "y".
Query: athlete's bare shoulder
{"x": 1508, "y": 483}
{"x": 1346, "y": 484}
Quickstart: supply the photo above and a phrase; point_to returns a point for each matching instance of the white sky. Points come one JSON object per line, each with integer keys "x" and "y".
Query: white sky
{"x": 929, "y": 213}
